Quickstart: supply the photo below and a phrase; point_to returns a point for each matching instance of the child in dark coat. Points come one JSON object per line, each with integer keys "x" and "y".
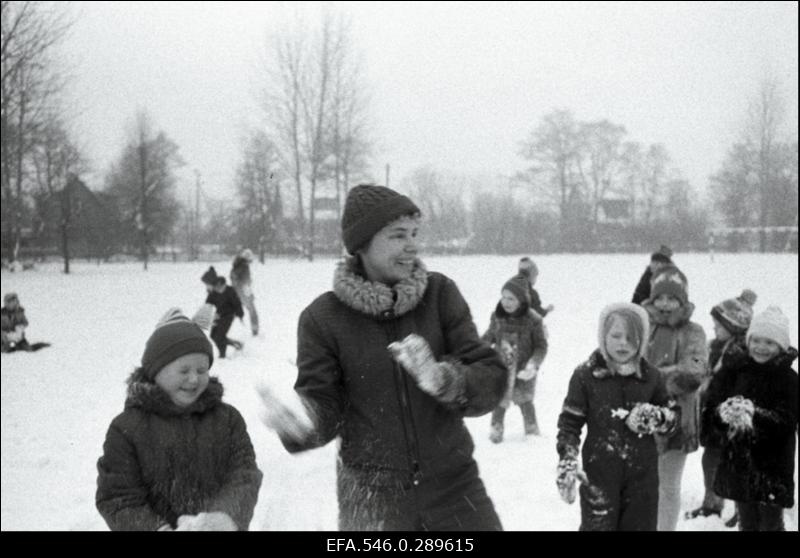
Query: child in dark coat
{"x": 623, "y": 401}
{"x": 753, "y": 407}
{"x": 658, "y": 259}
{"x": 12, "y": 327}
{"x": 517, "y": 334}
{"x": 227, "y": 305}
{"x": 177, "y": 457}
{"x": 530, "y": 272}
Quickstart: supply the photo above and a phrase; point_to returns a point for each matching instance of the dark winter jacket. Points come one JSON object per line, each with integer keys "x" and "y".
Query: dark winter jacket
{"x": 161, "y": 461}
{"x": 535, "y": 302}
{"x": 721, "y": 354}
{"x": 757, "y": 466}
{"x": 358, "y": 392}
{"x": 642, "y": 291}
{"x": 518, "y": 337}
{"x": 240, "y": 272}
{"x": 677, "y": 347}
{"x": 10, "y": 319}
{"x": 227, "y": 302}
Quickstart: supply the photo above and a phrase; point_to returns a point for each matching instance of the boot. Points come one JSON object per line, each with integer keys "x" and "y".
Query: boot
{"x": 529, "y": 417}
{"x": 496, "y": 432}
{"x": 702, "y": 511}
{"x": 733, "y": 521}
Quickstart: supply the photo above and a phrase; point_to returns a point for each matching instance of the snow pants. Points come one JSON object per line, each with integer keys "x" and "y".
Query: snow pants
{"x": 619, "y": 498}
{"x": 670, "y": 472}
{"x": 248, "y": 301}
{"x": 219, "y": 333}
{"x": 758, "y": 516}
{"x": 381, "y": 501}
{"x": 710, "y": 460}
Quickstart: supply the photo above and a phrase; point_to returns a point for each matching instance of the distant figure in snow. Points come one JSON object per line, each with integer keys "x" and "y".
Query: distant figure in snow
{"x": 530, "y": 272}
{"x": 12, "y": 327}
{"x": 623, "y": 402}
{"x": 516, "y": 333}
{"x": 752, "y": 407}
{"x": 658, "y": 259}
{"x": 728, "y": 349}
{"x": 227, "y": 305}
{"x": 178, "y": 457}
{"x": 241, "y": 281}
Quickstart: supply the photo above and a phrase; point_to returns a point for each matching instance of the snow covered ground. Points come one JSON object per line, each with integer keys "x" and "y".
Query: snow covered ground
{"x": 57, "y": 404}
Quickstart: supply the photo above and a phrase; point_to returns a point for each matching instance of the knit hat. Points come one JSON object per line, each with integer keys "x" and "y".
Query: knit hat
{"x": 663, "y": 254}
{"x": 247, "y": 254}
{"x": 210, "y": 276}
{"x": 527, "y": 267}
{"x": 9, "y": 297}
{"x": 670, "y": 280}
{"x": 518, "y": 288}
{"x": 772, "y": 324}
{"x": 175, "y": 336}
{"x": 735, "y": 314}
{"x": 368, "y": 209}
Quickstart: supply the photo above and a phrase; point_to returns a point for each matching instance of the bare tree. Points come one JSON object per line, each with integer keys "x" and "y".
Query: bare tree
{"x": 601, "y": 144}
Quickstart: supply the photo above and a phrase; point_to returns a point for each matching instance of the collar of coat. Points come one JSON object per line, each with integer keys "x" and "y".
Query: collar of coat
{"x": 374, "y": 298}
{"x": 676, "y": 318}
{"x": 151, "y": 398}
{"x": 601, "y": 369}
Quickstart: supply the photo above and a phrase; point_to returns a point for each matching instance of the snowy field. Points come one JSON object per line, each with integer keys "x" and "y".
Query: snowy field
{"x": 57, "y": 404}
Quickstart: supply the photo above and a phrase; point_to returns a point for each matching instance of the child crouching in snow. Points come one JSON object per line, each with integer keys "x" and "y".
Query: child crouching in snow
{"x": 623, "y": 401}
{"x": 517, "y": 334}
{"x": 177, "y": 457}
{"x": 753, "y": 407}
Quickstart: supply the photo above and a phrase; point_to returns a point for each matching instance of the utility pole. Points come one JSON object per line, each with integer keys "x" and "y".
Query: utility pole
{"x": 387, "y": 175}
{"x": 196, "y": 216}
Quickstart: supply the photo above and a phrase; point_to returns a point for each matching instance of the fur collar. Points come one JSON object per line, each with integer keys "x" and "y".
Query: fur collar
{"x": 677, "y": 318}
{"x": 150, "y": 398}
{"x": 374, "y": 298}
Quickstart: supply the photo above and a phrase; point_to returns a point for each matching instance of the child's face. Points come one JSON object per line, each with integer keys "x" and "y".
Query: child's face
{"x": 220, "y": 287}
{"x": 720, "y": 332}
{"x": 508, "y": 301}
{"x": 209, "y": 287}
{"x": 621, "y": 344}
{"x": 185, "y": 378}
{"x": 12, "y": 303}
{"x": 762, "y": 349}
{"x": 666, "y": 303}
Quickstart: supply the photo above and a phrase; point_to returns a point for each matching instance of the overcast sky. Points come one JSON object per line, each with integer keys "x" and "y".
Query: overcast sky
{"x": 455, "y": 85}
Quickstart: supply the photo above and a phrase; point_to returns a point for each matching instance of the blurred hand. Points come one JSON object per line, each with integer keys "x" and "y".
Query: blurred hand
{"x": 529, "y": 372}
{"x": 294, "y": 425}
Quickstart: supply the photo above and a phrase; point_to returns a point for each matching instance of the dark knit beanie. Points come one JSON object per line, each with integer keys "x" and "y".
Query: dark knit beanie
{"x": 527, "y": 267}
{"x": 210, "y": 276}
{"x": 174, "y": 336}
{"x": 663, "y": 254}
{"x": 517, "y": 286}
{"x": 368, "y": 209}
{"x": 670, "y": 280}
{"x": 735, "y": 314}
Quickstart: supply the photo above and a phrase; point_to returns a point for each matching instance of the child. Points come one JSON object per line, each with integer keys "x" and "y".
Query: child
{"x": 227, "y": 304}
{"x": 753, "y": 407}
{"x": 242, "y": 284}
{"x": 12, "y": 327}
{"x": 677, "y": 347}
{"x": 530, "y": 272}
{"x": 516, "y": 333}
{"x": 623, "y": 401}
{"x": 177, "y": 457}
{"x": 731, "y": 319}
{"x": 658, "y": 259}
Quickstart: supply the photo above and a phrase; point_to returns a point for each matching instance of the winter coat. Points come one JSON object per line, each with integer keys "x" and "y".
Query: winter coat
{"x": 161, "y": 461}
{"x": 10, "y": 319}
{"x": 240, "y": 272}
{"x": 391, "y": 431}
{"x": 721, "y": 354}
{"x": 227, "y": 302}
{"x": 518, "y": 337}
{"x": 617, "y": 461}
{"x": 677, "y": 347}
{"x": 642, "y": 291}
{"x": 757, "y": 466}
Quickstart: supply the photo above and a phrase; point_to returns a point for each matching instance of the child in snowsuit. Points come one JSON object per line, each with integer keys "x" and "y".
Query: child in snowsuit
{"x": 12, "y": 327}
{"x": 177, "y": 457}
{"x": 728, "y": 349}
{"x": 677, "y": 347}
{"x": 242, "y": 284}
{"x": 228, "y": 306}
{"x": 516, "y": 333}
{"x": 530, "y": 272}
{"x": 658, "y": 259}
{"x": 753, "y": 408}
{"x": 623, "y": 401}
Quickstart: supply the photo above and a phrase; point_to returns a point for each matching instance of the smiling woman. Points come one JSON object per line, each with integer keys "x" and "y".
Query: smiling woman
{"x": 391, "y": 362}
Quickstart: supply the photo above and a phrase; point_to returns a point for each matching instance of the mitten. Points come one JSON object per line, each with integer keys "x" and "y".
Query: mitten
{"x": 737, "y": 413}
{"x": 646, "y": 418}
{"x": 567, "y": 475}
{"x": 415, "y": 355}
{"x": 292, "y": 424}
{"x": 529, "y": 372}
{"x": 204, "y": 317}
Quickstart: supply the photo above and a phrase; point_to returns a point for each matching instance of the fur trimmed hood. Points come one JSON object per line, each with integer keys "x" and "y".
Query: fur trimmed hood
{"x": 374, "y": 298}
{"x": 151, "y": 398}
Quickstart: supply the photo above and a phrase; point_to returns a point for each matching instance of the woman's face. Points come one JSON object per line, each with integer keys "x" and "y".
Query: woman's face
{"x": 391, "y": 253}
{"x": 621, "y": 344}
{"x": 185, "y": 378}
{"x": 508, "y": 301}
